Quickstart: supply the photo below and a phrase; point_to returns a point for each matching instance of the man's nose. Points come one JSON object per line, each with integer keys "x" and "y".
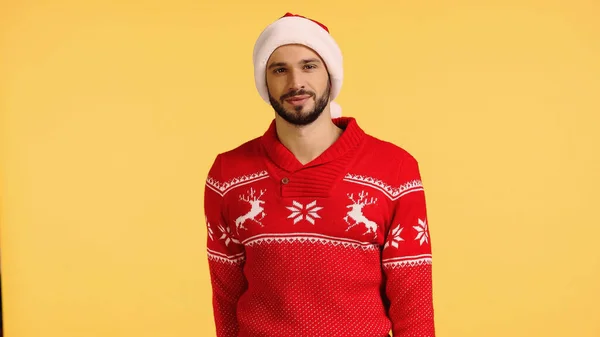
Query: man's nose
{"x": 295, "y": 80}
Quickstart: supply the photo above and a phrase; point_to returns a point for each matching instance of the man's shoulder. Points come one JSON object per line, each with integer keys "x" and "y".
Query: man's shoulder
{"x": 243, "y": 152}
{"x": 388, "y": 151}
{"x": 388, "y": 165}
{"x": 244, "y": 160}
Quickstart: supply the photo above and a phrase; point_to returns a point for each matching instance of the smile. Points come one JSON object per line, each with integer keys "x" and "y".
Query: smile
{"x": 298, "y": 100}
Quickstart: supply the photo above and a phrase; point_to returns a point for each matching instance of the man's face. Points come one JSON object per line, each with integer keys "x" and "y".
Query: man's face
{"x": 298, "y": 84}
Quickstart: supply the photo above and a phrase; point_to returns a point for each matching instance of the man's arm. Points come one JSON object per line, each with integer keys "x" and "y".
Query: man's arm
{"x": 226, "y": 256}
{"x": 406, "y": 259}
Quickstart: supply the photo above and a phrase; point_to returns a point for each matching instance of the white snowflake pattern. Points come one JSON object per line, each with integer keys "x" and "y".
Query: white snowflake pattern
{"x": 421, "y": 231}
{"x": 227, "y": 236}
{"x": 308, "y": 212}
{"x": 395, "y": 238}
{"x": 209, "y": 229}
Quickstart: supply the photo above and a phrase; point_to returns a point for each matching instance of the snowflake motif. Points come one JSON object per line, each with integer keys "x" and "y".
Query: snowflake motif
{"x": 227, "y": 236}
{"x": 299, "y": 212}
{"x": 209, "y": 229}
{"x": 395, "y": 238}
{"x": 422, "y": 231}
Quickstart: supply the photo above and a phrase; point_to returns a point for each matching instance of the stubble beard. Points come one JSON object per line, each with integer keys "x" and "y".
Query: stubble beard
{"x": 297, "y": 117}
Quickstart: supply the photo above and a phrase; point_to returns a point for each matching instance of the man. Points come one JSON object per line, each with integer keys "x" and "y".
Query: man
{"x": 315, "y": 228}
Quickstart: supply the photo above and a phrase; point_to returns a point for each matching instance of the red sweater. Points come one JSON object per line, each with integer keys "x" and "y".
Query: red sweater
{"x": 336, "y": 247}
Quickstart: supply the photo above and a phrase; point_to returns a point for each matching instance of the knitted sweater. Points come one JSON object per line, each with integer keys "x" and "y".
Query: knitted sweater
{"x": 337, "y": 247}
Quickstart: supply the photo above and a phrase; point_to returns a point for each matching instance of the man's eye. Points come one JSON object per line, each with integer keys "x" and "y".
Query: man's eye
{"x": 279, "y": 70}
{"x": 310, "y": 66}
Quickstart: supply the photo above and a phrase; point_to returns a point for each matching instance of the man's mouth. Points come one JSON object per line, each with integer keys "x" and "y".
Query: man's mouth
{"x": 298, "y": 100}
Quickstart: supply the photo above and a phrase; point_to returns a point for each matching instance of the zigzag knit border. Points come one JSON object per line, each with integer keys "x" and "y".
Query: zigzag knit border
{"x": 408, "y": 261}
{"x": 390, "y": 191}
{"x": 308, "y": 238}
{"x": 222, "y": 187}
{"x": 223, "y": 258}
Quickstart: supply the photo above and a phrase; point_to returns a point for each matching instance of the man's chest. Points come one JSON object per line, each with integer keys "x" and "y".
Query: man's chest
{"x": 357, "y": 210}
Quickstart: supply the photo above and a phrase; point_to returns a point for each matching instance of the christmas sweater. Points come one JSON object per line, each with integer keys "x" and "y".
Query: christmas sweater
{"x": 336, "y": 247}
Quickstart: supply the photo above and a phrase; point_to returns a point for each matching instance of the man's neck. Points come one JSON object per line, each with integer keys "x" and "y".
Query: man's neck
{"x": 309, "y": 141}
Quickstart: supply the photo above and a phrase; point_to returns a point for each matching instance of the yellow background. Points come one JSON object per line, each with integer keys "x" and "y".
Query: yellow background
{"x": 112, "y": 113}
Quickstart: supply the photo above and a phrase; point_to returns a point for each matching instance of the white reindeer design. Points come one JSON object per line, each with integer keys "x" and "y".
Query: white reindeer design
{"x": 356, "y": 214}
{"x": 256, "y": 209}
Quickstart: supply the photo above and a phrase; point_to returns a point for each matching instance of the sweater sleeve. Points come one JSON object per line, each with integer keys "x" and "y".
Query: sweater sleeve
{"x": 225, "y": 254}
{"x": 406, "y": 259}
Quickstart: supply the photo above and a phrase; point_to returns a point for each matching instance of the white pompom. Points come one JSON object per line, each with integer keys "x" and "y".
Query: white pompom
{"x": 335, "y": 109}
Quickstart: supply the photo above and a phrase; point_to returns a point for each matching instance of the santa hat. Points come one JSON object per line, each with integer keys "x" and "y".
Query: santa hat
{"x": 296, "y": 29}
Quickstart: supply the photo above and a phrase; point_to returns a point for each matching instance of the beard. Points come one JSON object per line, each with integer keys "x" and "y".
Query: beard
{"x": 296, "y": 117}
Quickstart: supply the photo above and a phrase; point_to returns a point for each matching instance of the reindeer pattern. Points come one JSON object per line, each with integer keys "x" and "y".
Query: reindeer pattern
{"x": 257, "y": 209}
{"x": 256, "y": 212}
{"x": 355, "y": 215}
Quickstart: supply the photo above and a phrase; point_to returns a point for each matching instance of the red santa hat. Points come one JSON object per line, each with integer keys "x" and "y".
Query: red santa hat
{"x": 297, "y": 29}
